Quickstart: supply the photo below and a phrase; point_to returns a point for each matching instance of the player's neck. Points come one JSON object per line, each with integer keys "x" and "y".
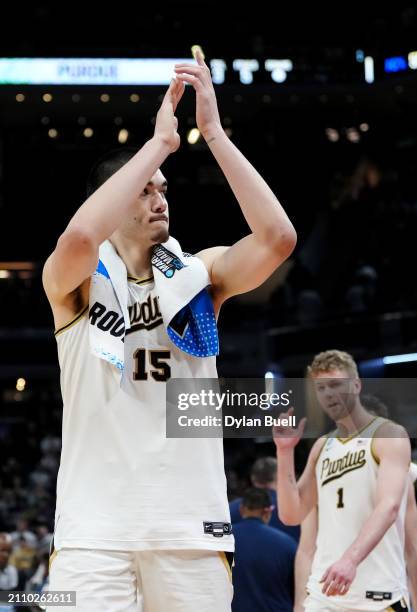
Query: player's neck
{"x": 355, "y": 422}
{"x": 136, "y": 257}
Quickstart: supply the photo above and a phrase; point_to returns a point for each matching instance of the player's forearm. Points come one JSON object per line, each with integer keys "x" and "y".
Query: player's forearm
{"x": 102, "y": 212}
{"x": 289, "y": 502}
{"x": 261, "y": 209}
{"x": 302, "y": 569}
{"x": 372, "y": 531}
{"x": 412, "y": 580}
{"x": 411, "y": 555}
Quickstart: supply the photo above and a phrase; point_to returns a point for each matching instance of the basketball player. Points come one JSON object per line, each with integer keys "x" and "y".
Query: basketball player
{"x": 358, "y": 478}
{"x": 133, "y": 506}
{"x": 307, "y": 544}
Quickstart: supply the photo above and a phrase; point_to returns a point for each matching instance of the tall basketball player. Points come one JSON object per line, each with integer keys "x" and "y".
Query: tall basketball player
{"x": 131, "y": 504}
{"x": 358, "y": 478}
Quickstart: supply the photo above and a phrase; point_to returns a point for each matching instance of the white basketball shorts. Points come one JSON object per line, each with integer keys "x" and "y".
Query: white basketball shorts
{"x": 143, "y": 581}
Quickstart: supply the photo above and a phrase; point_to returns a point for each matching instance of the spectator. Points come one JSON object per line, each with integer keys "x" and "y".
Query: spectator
{"x": 263, "y": 575}
{"x": 8, "y": 573}
{"x": 38, "y": 582}
{"x": 22, "y": 530}
{"x": 44, "y": 539}
{"x": 263, "y": 476}
{"x": 23, "y": 557}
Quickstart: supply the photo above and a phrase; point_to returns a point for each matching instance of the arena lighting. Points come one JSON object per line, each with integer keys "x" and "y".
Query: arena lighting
{"x": 269, "y": 374}
{"x": 353, "y": 135}
{"x": 364, "y": 127}
{"x": 360, "y": 56}
{"x": 17, "y": 265}
{"x": 412, "y": 60}
{"x": 20, "y": 384}
{"x": 399, "y": 358}
{"x": 368, "y": 63}
{"x": 193, "y": 136}
{"x": 52, "y": 133}
{"x": 20, "y": 97}
{"x": 278, "y": 69}
{"x": 332, "y": 134}
{"x": 104, "y": 97}
{"x": 123, "y": 136}
{"x": 218, "y": 71}
{"x": 246, "y": 68}
{"x": 395, "y": 64}
{"x": 124, "y": 71}
{"x": 160, "y": 71}
{"x": 88, "y": 71}
{"x": 88, "y": 132}
{"x": 47, "y": 97}
{"x": 369, "y": 69}
{"x": 134, "y": 97}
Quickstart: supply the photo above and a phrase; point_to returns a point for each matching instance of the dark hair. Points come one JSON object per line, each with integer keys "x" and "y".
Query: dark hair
{"x": 264, "y": 470}
{"x": 256, "y": 499}
{"x": 107, "y": 165}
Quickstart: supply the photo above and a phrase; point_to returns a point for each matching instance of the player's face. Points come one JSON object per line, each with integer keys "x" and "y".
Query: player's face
{"x": 337, "y": 392}
{"x": 150, "y": 220}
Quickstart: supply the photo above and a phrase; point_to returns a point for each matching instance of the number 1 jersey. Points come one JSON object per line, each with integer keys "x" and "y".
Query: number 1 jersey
{"x": 346, "y": 475}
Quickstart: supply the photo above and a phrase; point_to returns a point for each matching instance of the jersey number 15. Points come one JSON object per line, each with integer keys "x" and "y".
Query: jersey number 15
{"x": 157, "y": 366}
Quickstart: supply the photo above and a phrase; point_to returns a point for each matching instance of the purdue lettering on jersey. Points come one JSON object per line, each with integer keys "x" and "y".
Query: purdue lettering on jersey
{"x": 107, "y": 320}
{"x": 145, "y": 315}
{"x": 122, "y": 484}
{"x": 347, "y": 481}
{"x": 330, "y": 470}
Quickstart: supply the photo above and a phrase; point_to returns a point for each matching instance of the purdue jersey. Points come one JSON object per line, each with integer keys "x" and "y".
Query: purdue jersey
{"x": 346, "y": 475}
{"x": 122, "y": 484}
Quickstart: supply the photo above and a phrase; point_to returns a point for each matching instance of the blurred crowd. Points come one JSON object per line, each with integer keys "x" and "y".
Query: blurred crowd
{"x": 354, "y": 258}
{"x": 28, "y": 470}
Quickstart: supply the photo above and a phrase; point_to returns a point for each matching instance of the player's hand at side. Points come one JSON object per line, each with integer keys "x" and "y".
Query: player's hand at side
{"x": 338, "y": 577}
{"x": 207, "y": 113}
{"x": 286, "y": 437}
{"x": 166, "y": 124}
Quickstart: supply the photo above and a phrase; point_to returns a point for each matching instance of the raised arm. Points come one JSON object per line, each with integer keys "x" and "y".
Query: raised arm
{"x": 295, "y": 498}
{"x": 76, "y": 254}
{"x": 250, "y": 261}
{"x": 394, "y": 455}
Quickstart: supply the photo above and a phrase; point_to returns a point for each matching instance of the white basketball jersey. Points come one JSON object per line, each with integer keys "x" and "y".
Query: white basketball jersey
{"x": 346, "y": 474}
{"x": 122, "y": 484}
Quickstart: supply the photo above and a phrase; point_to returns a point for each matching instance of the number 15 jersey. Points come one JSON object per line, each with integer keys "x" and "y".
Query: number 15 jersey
{"x": 122, "y": 484}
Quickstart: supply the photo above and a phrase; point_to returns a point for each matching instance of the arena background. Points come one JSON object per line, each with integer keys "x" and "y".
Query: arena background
{"x": 336, "y": 139}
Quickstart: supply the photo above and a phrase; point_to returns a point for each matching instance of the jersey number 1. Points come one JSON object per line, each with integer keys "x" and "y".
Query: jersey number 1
{"x": 340, "y": 503}
{"x": 161, "y": 371}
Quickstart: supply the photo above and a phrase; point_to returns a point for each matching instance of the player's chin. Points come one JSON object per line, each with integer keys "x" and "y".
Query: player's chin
{"x": 160, "y": 234}
{"x": 336, "y": 413}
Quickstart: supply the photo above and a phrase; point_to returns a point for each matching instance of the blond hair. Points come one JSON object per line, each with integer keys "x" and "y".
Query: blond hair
{"x": 333, "y": 360}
